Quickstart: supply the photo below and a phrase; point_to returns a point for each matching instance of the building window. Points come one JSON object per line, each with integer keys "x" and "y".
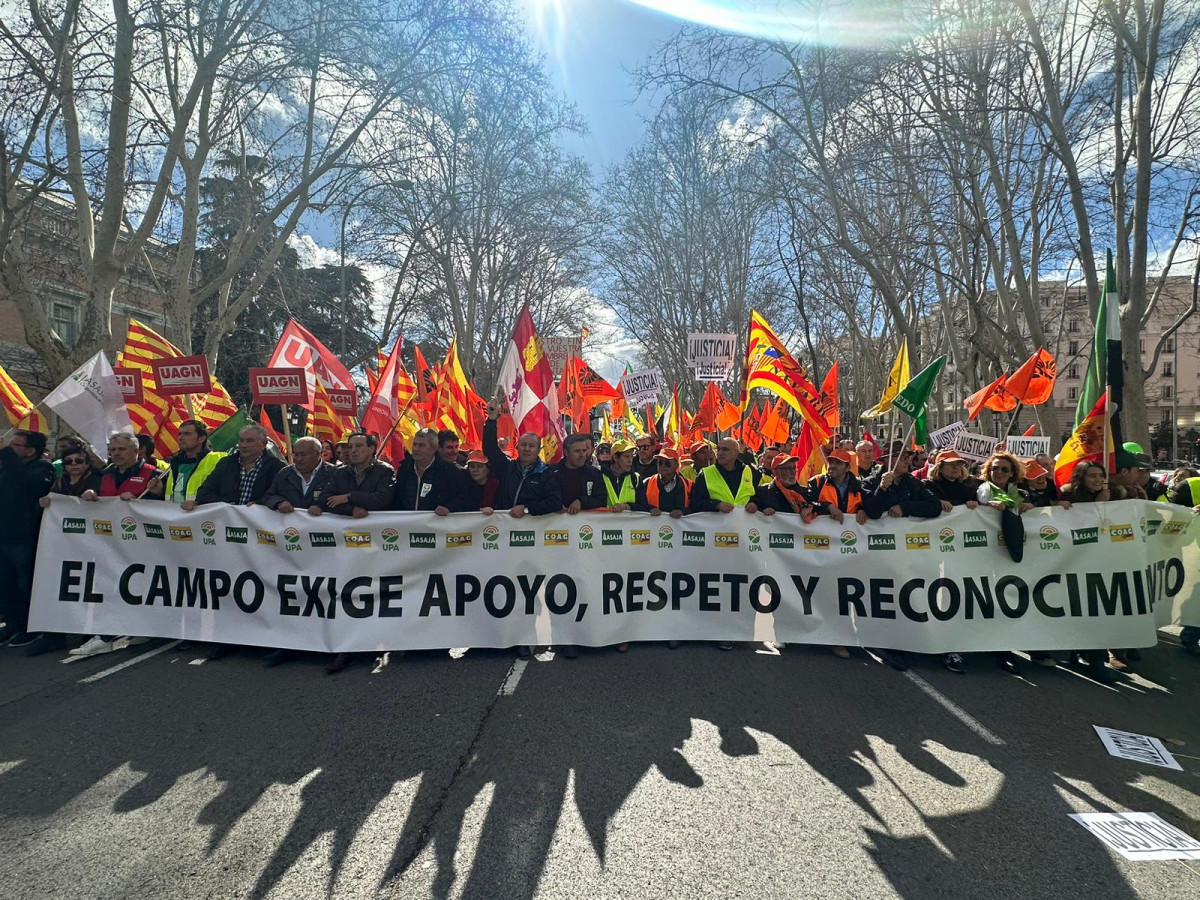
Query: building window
{"x": 1170, "y": 345}
{"x": 1072, "y": 348}
{"x": 1165, "y": 418}
{"x": 1166, "y": 392}
{"x": 1072, "y": 393}
{"x": 64, "y": 318}
{"x": 1072, "y": 371}
{"x": 1168, "y": 369}
{"x": 1073, "y": 325}
{"x": 1141, "y": 345}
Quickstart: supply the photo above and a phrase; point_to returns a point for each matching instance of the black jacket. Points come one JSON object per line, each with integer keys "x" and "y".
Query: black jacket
{"x": 906, "y": 491}
{"x": 373, "y": 491}
{"x": 22, "y": 484}
{"x": 472, "y": 497}
{"x": 287, "y": 485}
{"x": 591, "y": 487}
{"x": 437, "y": 486}
{"x": 768, "y": 496}
{"x": 536, "y": 489}
{"x": 957, "y": 493}
{"x": 221, "y": 486}
{"x": 817, "y": 483}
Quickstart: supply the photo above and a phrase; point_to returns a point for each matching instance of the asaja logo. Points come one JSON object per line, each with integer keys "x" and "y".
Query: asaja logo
{"x": 778, "y": 541}
{"x": 491, "y": 537}
{"x": 693, "y": 539}
{"x": 849, "y": 542}
{"x": 357, "y": 539}
{"x": 322, "y": 539}
{"x": 460, "y": 539}
{"x": 209, "y": 530}
{"x": 556, "y": 538}
{"x": 520, "y": 539}
{"x": 666, "y": 537}
{"x": 391, "y": 540}
{"x": 128, "y": 529}
{"x": 946, "y": 540}
{"x": 235, "y": 535}
{"x": 726, "y": 539}
{"x": 153, "y": 531}
{"x": 291, "y": 540}
{"x": 422, "y": 540}
{"x": 102, "y": 527}
{"x": 816, "y": 542}
{"x": 639, "y": 538}
{"x": 975, "y": 539}
{"x": 74, "y": 526}
{"x": 917, "y": 541}
{"x": 1048, "y": 536}
{"x": 881, "y": 542}
{"x": 1084, "y": 536}
{"x": 612, "y": 537}
{"x": 754, "y": 539}
{"x": 181, "y": 532}
{"x": 1118, "y": 534}
{"x": 266, "y": 538}
{"x": 586, "y": 533}
{"x": 1152, "y": 526}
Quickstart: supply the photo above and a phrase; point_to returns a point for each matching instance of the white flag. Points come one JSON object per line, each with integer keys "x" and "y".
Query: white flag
{"x": 90, "y": 401}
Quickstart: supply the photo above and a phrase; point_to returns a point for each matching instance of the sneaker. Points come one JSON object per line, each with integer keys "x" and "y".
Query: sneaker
{"x": 726, "y": 645}
{"x": 570, "y": 651}
{"x": 134, "y": 641}
{"x": 523, "y": 652}
{"x": 954, "y": 662}
{"x": 672, "y": 645}
{"x": 7, "y": 633}
{"x": 1007, "y": 663}
{"x": 1116, "y": 662}
{"x": 46, "y": 643}
{"x": 93, "y": 646}
{"x": 841, "y": 652}
{"x": 23, "y": 639}
{"x": 623, "y": 647}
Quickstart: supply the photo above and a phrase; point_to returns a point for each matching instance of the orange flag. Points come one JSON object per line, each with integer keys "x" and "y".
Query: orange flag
{"x": 265, "y": 421}
{"x": 1030, "y": 431}
{"x": 808, "y": 452}
{"x": 827, "y": 399}
{"x": 993, "y": 397}
{"x": 1033, "y": 383}
{"x": 775, "y": 427}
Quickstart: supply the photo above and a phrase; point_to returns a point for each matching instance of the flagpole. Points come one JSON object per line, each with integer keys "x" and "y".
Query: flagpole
{"x": 1013, "y": 420}
{"x": 1107, "y": 416}
{"x": 32, "y": 410}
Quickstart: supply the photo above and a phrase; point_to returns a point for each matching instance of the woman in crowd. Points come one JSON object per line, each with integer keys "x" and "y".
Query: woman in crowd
{"x": 78, "y": 475}
{"x": 952, "y": 483}
{"x": 1038, "y": 488}
{"x": 327, "y": 454}
{"x": 1001, "y": 477}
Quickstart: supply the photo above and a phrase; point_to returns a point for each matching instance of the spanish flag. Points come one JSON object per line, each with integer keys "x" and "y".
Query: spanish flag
{"x": 1087, "y": 444}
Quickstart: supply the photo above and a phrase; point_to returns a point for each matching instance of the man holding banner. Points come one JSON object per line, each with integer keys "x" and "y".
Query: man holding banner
{"x": 193, "y": 463}
{"x": 243, "y": 477}
{"x": 25, "y": 477}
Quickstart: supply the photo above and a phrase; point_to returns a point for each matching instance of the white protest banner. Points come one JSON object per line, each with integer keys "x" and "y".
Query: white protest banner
{"x": 1091, "y": 578}
{"x": 945, "y": 437}
{"x": 90, "y": 400}
{"x": 1140, "y": 836}
{"x": 641, "y": 387}
{"x": 1028, "y": 447}
{"x": 1137, "y": 747}
{"x": 974, "y": 446}
{"x": 712, "y": 356}
{"x": 560, "y": 349}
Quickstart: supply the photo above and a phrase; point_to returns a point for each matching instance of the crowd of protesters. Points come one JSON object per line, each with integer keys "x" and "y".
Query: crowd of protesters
{"x": 437, "y": 475}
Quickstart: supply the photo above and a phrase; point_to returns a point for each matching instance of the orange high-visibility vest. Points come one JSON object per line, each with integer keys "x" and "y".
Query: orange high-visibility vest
{"x": 652, "y": 490}
{"x": 829, "y": 495}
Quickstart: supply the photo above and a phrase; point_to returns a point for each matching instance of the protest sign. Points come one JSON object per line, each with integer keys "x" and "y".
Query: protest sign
{"x": 1091, "y": 577}
{"x": 945, "y": 437}
{"x": 130, "y": 383}
{"x": 974, "y": 446}
{"x": 560, "y": 349}
{"x": 181, "y": 375}
{"x": 1137, "y": 747}
{"x": 278, "y": 385}
{"x": 1140, "y": 836}
{"x": 344, "y": 403}
{"x": 1028, "y": 447}
{"x": 641, "y": 387}
{"x": 712, "y": 356}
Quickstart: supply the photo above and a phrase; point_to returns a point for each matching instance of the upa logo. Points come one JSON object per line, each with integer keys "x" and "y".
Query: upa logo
{"x": 612, "y": 537}
{"x": 754, "y": 539}
{"x": 556, "y": 538}
{"x": 153, "y": 531}
{"x": 975, "y": 539}
{"x": 491, "y": 537}
{"x": 666, "y": 537}
{"x": 422, "y": 540}
{"x": 881, "y": 542}
{"x": 291, "y": 540}
{"x": 918, "y": 541}
{"x": 521, "y": 539}
{"x": 235, "y": 535}
{"x": 181, "y": 532}
{"x": 460, "y": 539}
{"x": 1119, "y": 534}
{"x": 128, "y": 529}
{"x": 726, "y": 539}
{"x": 391, "y": 540}
{"x": 816, "y": 542}
{"x": 586, "y": 534}
{"x": 360, "y": 540}
{"x": 266, "y": 538}
{"x": 321, "y": 539}
{"x": 102, "y": 527}
{"x": 1048, "y": 537}
{"x": 693, "y": 539}
{"x": 209, "y": 532}
{"x": 1142, "y": 526}
{"x": 74, "y": 526}
{"x": 777, "y": 541}
{"x": 640, "y": 538}
{"x": 946, "y": 540}
{"x": 849, "y": 542}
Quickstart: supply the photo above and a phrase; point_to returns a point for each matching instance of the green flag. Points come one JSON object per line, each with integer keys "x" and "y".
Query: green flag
{"x": 1096, "y": 377}
{"x": 224, "y": 438}
{"x": 911, "y": 401}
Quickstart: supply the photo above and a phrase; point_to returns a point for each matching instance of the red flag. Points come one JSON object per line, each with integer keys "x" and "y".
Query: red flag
{"x": 775, "y": 427}
{"x": 1030, "y": 431}
{"x": 1033, "y": 383}
{"x": 1086, "y": 444}
{"x": 527, "y": 383}
{"x": 297, "y": 348}
{"x": 265, "y": 421}
{"x": 383, "y": 409}
{"x": 870, "y": 439}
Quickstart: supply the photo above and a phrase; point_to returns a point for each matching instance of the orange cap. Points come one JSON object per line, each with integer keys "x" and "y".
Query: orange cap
{"x": 840, "y": 455}
{"x": 784, "y": 460}
{"x": 667, "y": 453}
{"x": 949, "y": 456}
{"x": 1033, "y": 469}
{"x": 477, "y": 456}
{"x": 699, "y": 445}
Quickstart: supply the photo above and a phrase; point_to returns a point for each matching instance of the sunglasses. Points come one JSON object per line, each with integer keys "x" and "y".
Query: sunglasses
{"x": 1001, "y": 469}
{"x": 74, "y": 461}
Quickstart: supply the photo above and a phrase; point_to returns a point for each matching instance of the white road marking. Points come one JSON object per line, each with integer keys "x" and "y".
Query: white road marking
{"x": 129, "y": 662}
{"x": 954, "y": 709}
{"x": 509, "y": 687}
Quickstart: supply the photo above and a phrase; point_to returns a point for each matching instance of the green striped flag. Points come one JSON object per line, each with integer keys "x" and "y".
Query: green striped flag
{"x": 1105, "y": 365}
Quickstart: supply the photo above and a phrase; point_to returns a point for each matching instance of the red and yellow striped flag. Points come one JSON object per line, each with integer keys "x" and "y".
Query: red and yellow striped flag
{"x": 452, "y": 404}
{"x": 325, "y": 424}
{"x": 769, "y": 365}
{"x": 19, "y": 409}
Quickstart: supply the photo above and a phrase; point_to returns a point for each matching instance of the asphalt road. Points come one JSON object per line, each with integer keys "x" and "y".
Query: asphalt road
{"x": 658, "y": 773}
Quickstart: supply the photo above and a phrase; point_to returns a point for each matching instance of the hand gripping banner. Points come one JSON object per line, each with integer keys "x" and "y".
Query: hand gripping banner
{"x": 1095, "y": 576}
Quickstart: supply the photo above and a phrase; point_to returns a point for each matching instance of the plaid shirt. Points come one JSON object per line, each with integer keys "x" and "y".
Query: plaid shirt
{"x": 246, "y": 479}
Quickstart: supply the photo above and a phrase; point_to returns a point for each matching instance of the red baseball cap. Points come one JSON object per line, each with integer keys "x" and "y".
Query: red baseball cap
{"x": 477, "y": 456}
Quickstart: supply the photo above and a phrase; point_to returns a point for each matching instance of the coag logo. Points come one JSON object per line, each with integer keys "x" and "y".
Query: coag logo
{"x": 693, "y": 539}
{"x": 360, "y": 540}
{"x": 391, "y": 540}
{"x": 612, "y": 537}
{"x": 726, "y": 539}
{"x": 422, "y": 540}
{"x": 1174, "y": 527}
{"x": 1085, "y": 535}
{"x": 209, "y": 532}
{"x": 1118, "y": 534}
{"x": 266, "y": 538}
{"x": 816, "y": 542}
{"x": 153, "y": 531}
{"x": 917, "y": 541}
{"x": 181, "y": 532}
{"x": 849, "y": 542}
{"x": 1048, "y": 536}
{"x": 128, "y": 529}
{"x": 666, "y": 537}
{"x": 556, "y": 538}
{"x": 102, "y": 527}
{"x": 946, "y": 540}
{"x": 639, "y": 538}
{"x": 291, "y": 540}
{"x": 520, "y": 539}
{"x": 491, "y": 537}
{"x": 881, "y": 542}
{"x": 586, "y": 533}
{"x": 234, "y": 535}
{"x": 975, "y": 539}
{"x": 778, "y": 541}
{"x": 74, "y": 526}
{"x": 322, "y": 539}
{"x": 460, "y": 539}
